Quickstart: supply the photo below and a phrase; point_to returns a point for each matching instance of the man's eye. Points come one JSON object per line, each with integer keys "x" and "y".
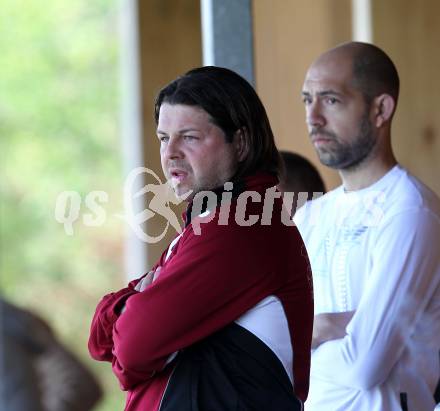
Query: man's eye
{"x": 189, "y": 137}
{"x": 306, "y": 100}
{"x": 332, "y": 100}
{"x": 163, "y": 139}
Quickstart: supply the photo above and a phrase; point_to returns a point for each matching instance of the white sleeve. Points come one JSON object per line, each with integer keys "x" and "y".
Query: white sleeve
{"x": 405, "y": 273}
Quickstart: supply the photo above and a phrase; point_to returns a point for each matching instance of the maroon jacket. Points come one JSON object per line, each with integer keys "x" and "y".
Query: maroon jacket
{"x": 209, "y": 281}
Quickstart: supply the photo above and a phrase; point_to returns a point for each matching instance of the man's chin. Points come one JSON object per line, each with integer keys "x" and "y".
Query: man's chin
{"x": 328, "y": 159}
{"x": 183, "y": 194}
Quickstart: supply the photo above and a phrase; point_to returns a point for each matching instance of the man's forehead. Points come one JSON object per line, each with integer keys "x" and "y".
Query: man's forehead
{"x": 328, "y": 74}
{"x": 180, "y": 115}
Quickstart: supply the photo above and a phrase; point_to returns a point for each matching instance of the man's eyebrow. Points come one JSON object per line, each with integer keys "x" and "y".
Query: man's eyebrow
{"x": 182, "y": 131}
{"x": 323, "y": 93}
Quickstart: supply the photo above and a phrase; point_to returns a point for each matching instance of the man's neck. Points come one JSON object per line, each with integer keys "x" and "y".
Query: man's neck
{"x": 366, "y": 174}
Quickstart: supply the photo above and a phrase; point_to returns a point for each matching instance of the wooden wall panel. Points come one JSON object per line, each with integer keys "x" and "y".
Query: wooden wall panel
{"x": 410, "y": 33}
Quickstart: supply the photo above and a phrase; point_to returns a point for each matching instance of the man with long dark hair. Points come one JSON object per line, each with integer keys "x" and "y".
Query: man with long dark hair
{"x": 223, "y": 321}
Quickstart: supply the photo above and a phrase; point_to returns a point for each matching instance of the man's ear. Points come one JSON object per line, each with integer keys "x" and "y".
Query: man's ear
{"x": 241, "y": 143}
{"x": 383, "y": 108}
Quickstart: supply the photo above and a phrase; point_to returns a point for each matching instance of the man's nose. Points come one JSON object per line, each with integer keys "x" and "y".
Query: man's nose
{"x": 173, "y": 148}
{"x": 314, "y": 116}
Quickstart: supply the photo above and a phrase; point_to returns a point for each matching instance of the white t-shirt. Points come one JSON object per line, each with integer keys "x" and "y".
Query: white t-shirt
{"x": 376, "y": 251}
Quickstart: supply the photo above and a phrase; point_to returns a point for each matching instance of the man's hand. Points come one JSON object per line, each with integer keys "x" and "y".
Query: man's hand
{"x": 330, "y": 326}
{"x": 144, "y": 283}
{"x": 147, "y": 280}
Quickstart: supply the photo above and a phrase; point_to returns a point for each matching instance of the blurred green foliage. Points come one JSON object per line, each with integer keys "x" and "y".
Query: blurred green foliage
{"x": 59, "y": 131}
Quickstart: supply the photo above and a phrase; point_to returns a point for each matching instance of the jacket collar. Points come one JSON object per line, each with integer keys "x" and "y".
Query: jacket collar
{"x": 257, "y": 182}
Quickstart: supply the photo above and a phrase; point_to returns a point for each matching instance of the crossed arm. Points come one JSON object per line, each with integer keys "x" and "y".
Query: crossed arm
{"x": 362, "y": 352}
{"x": 330, "y": 326}
{"x": 197, "y": 292}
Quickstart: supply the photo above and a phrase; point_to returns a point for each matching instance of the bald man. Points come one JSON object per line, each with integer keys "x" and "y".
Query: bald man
{"x": 373, "y": 245}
